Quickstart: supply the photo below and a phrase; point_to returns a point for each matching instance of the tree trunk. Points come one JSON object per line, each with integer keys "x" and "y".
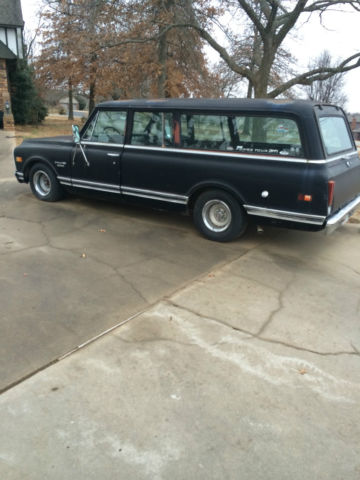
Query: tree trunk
{"x": 92, "y": 97}
{"x": 162, "y": 79}
{"x": 71, "y": 104}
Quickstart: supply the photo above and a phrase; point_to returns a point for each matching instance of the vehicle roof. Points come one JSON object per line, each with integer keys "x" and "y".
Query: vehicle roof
{"x": 274, "y": 105}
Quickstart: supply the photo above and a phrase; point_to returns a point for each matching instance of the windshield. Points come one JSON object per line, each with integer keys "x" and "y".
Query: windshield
{"x": 335, "y": 135}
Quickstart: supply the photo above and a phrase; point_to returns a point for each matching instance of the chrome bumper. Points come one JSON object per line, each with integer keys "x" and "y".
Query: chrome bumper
{"x": 19, "y": 176}
{"x": 342, "y": 216}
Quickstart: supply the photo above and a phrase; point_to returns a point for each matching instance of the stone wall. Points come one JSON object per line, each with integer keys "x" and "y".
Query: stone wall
{"x": 8, "y": 119}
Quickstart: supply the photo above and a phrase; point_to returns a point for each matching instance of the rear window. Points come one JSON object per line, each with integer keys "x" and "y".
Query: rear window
{"x": 335, "y": 135}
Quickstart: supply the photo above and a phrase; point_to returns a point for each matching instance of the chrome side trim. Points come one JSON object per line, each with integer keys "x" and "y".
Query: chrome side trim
{"x": 285, "y": 215}
{"x": 155, "y": 195}
{"x": 342, "y": 216}
{"x": 94, "y": 184}
{"x": 352, "y": 154}
{"x": 99, "y": 189}
{"x": 131, "y": 191}
{"x": 214, "y": 153}
{"x": 101, "y": 144}
{"x": 102, "y": 187}
{"x": 78, "y": 183}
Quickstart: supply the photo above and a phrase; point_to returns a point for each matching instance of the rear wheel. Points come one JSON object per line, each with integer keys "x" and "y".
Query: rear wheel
{"x": 219, "y": 216}
{"x": 44, "y": 184}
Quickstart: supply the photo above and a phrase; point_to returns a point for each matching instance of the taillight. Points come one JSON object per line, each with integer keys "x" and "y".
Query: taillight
{"x": 331, "y": 188}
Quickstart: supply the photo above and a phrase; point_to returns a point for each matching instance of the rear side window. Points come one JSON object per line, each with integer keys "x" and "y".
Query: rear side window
{"x": 335, "y": 135}
{"x": 266, "y": 135}
{"x": 152, "y": 129}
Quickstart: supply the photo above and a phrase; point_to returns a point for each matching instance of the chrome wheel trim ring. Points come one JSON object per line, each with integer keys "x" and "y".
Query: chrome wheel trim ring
{"x": 216, "y": 215}
{"x": 42, "y": 183}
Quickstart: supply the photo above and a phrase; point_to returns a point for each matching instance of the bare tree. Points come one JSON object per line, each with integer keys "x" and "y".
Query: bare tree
{"x": 329, "y": 90}
{"x": 271, "y": 21}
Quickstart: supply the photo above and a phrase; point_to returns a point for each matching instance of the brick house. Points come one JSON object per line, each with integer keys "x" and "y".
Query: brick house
{"x": 354, "y": 120}
{"x": 11, "y": 48}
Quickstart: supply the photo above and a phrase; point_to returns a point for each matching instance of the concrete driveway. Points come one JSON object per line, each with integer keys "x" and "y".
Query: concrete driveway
{"x": 73, "y": 269}
{"x": 245, "y": 362}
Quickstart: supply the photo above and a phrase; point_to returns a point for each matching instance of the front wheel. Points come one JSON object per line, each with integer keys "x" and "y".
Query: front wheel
{"x": 44, "y": 184}
{"x": 219, "y": 216}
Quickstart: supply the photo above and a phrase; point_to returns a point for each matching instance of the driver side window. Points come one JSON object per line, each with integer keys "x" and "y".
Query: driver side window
{"x": 107, "y": 127}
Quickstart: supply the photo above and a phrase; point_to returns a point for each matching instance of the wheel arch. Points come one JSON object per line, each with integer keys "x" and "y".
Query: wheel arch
{"x": 200, "y": 188}
{"x": 33, "y": 161}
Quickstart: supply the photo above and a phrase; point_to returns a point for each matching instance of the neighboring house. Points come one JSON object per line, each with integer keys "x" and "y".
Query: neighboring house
{"x": 11, "y": 48}
{"x": 64, "y": 102}
{"x": 354, "y": 120}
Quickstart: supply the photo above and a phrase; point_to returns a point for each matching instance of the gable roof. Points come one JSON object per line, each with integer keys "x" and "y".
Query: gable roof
{"x": 10, "y": 13}
{"x": 5, "y": 52}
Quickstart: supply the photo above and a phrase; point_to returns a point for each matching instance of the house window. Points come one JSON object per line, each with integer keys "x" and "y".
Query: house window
{"x": 3, "y": 35}
{"x": 20, "y": 43}
{"x": 11, "y": 35}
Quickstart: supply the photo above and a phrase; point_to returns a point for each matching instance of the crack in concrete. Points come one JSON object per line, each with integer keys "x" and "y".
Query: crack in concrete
{"x": 263, "y": 284}
{"x": 257, "y": 336}
{"x": 277, "y": 310}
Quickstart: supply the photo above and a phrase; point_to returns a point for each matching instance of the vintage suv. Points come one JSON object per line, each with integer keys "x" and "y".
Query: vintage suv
{"x": 225, "y": 161}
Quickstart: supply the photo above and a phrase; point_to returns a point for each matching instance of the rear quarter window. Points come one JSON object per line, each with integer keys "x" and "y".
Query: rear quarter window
{"x": 335, "y": 135}
{"x": 241, "y": 133}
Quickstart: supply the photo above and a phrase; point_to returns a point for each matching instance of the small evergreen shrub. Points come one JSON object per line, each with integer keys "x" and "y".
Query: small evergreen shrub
{"x": 27, "y": 105}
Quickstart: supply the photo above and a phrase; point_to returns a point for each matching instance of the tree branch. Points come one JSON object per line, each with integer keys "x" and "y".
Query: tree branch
{"x": 317, "y": 74}
{"x": 321, "y": 5}
{"x": 250, "y": 12}
{"x": 243, "y": 71}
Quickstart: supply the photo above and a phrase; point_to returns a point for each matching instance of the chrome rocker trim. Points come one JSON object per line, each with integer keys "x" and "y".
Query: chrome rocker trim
{"x": 77, "y": 183}
{"x": 135, "y": 192}
{"x": 155, "y": 195}
{"x": 285, "y": 215}
{"x": 342, "y": 216}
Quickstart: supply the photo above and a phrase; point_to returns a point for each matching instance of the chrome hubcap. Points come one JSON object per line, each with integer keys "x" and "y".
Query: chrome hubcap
{"x": 42, "y": 183}
{"x": 216, "y": 215}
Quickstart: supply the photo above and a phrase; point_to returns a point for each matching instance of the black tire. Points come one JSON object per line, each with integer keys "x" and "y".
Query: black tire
{"x": 219, "y": 216}
{"x": 44, "y": 184}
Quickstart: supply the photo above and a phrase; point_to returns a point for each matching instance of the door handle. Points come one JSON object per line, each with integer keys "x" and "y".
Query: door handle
{"x": 113, "y": 155}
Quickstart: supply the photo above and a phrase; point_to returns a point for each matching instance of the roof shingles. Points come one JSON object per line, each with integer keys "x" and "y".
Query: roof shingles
{"x": 10, "y": 13}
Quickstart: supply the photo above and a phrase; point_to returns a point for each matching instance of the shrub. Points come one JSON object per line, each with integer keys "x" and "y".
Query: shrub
{"x": 27, "y": 105}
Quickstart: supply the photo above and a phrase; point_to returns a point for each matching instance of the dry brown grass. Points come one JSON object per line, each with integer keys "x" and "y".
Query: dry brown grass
{"x": 52, "y": 126}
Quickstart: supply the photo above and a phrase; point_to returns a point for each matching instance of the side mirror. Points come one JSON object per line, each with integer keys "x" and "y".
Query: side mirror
{"x": 76, "y": 133}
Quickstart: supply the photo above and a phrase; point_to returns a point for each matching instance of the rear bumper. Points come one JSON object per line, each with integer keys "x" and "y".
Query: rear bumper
{"x": 342, "y": 216}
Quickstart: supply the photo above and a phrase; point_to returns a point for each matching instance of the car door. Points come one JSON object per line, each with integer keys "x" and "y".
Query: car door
{"x": 96, "y": 160}
{"x": 151, "y": 169}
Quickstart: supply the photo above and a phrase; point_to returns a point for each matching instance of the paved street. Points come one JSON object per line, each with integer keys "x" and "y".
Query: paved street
{"x": 242, "y": 361}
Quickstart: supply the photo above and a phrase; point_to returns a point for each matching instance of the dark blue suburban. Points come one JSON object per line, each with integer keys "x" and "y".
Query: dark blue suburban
{"x": 226, "y": 161}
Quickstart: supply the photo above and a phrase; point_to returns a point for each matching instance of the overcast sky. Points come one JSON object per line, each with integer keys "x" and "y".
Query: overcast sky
{"x": 340, "y": 37}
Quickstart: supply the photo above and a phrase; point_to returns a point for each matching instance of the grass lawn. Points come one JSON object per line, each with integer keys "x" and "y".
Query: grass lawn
{"x": 52, "y": 126}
